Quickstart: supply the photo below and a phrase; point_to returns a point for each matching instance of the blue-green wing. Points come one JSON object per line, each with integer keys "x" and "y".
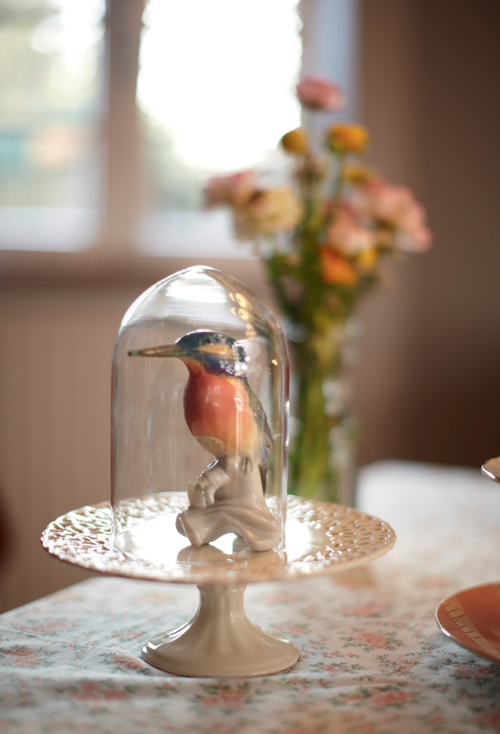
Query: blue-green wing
{"x": 259, "y": 415}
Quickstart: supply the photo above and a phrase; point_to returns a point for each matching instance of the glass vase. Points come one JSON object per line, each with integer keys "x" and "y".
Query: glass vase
{"x": 324, "y": 430}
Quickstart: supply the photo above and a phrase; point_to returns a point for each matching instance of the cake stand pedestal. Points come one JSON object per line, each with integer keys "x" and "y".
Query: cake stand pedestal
{"x": 220, "y": 641}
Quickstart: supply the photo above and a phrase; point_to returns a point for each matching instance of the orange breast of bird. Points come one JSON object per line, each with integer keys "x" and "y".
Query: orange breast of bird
{"x": 217, "y": 407}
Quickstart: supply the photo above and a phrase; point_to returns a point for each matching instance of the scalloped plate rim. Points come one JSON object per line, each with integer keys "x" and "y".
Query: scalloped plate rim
{"x": 119, "y": 564}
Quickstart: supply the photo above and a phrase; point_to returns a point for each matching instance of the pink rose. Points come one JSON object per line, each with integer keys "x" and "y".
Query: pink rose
{"x": 347, "y": 237}
{"x": 396, "y": 207}
{"x": 234, "y": 190}
{"x": 320, "y": 94}
{"x": 395, "y": 204}
{"x": 417, "y": 240}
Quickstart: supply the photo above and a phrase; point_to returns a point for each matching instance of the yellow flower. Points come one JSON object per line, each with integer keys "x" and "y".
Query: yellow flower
{"x": 336, "y": 270}
{"x": 296, "y": 141}
{"x": 347, "y": 138}
{"x": 368, "y": 258}
{"x": 358, "y": 175}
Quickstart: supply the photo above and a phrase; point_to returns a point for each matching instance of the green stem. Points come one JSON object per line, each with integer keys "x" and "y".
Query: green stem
{"x": 338, "y": 184}
{"x": 319, "y": 360}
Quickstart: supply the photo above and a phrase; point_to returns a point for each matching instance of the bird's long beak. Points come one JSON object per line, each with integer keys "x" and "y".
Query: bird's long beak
{"x": 167, "y": 350}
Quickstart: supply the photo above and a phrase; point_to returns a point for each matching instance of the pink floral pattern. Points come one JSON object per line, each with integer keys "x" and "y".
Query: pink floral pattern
{"x": 372, "y": 660}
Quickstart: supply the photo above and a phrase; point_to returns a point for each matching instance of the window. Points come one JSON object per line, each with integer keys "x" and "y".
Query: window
{"x": 113, "y": 117}
{"x": 50, "y": 97}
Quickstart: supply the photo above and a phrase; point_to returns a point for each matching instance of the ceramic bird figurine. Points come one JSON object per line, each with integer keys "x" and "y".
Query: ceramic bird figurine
{"x": 228, "y": 420}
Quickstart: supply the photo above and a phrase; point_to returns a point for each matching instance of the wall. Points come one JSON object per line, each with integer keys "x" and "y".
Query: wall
{"x": 428, "y": 384}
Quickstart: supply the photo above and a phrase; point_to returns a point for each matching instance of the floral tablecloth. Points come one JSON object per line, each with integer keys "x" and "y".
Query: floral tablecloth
{"x": 372, "y": 660}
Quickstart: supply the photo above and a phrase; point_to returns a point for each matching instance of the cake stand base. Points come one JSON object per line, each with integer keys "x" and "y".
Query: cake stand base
{"x": 220, "y": 641}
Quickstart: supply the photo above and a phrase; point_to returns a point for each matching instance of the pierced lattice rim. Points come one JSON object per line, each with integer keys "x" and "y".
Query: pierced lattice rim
{"x": 346, "y": 538}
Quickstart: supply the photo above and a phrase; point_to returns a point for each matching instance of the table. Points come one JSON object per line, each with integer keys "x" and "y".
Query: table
{"x": 372, "y": 660}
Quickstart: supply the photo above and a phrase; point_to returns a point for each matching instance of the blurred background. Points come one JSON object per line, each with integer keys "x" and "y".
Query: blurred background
{"x": 113, "y": 115}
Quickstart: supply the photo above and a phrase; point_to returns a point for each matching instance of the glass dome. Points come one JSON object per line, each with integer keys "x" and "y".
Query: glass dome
{"x": 199, "y": 439}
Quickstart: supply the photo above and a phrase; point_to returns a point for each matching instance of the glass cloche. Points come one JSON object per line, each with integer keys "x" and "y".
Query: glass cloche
{"x": 199, "y": 421}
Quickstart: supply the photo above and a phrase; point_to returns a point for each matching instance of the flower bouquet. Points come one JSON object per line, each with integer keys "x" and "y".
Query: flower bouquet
{"x": 324, "y": 238}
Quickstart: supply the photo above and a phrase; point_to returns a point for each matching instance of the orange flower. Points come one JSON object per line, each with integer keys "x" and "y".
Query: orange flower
{"x": 336, "y": 270}
{"x": 347, "y": 138}
{"x": 296, "y": 141}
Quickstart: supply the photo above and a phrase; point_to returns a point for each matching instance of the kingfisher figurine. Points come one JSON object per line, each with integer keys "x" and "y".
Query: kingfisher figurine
{"x": 228, "y": 420}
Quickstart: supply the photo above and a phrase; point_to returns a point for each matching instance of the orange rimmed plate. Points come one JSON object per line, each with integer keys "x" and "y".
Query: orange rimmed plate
{"x": 471, "y": 618}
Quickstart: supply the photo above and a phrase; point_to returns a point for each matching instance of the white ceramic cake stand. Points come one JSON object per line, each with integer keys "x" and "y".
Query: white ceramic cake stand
{"x": 220, "y": 641}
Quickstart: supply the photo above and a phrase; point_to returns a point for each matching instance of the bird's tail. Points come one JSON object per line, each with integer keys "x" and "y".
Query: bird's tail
{"x": 263, "y": 461}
